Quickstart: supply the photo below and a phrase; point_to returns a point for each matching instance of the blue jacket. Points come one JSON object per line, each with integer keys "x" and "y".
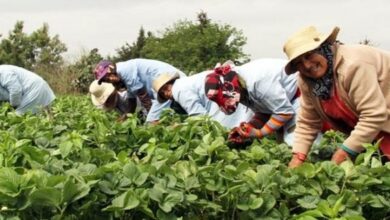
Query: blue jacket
{"x": 139, "y": 73}
{"x": 25, "y": 90}
{"x": 189, "y": 92}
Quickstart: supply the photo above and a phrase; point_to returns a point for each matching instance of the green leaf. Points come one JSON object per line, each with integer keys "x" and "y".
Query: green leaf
{"x": 130, "y": 170}
{"x": 35, "y": 154}
{"x": 65, "y": 148}
{"x": 126, "y": 201}
{"x": 255, "y": 203}
{"x": 171, "y": 200}
{"x": 10, "y": 182}
{"x": 309, "y": 202}
{"x": 338, "y": 206}
{"x": 348, "y": 168}
{"x": 141, "y": 179}
{"x": 46, "y": 197}
{"x": 306, "y": 170}
{"x": 309, "y": 215}
{"x": 243, "y": 206}
{"x": 269, "y": 203}
{"x": 123, "y": 157}
{"x": 324, "y": 208}
{"x": 74, "y": 191}
{"x": 156, "y": 193}
{"x": 191, "y": 197}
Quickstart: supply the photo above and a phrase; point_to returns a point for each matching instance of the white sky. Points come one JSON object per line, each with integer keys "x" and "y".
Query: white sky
{"x": 109, "y": 24}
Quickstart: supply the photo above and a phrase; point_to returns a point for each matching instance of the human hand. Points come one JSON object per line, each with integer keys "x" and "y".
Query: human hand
{"x": 339, "y": 156}
{"x": 247, "y": 130}
{"x": 122, "y": 118}
{"x": 234, "y": 136}
{"x": 296, "y": 160}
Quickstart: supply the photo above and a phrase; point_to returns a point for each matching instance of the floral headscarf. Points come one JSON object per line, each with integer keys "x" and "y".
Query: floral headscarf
{"x": 322, "y": 86}
{"x": 223, "y": 87}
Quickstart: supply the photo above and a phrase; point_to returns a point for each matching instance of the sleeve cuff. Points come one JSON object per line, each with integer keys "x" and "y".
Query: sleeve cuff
{"x": 348, "y": 150}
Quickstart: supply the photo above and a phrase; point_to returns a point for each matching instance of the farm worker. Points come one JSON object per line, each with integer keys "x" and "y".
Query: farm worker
{"x": 188, "y": 94}
{"x": 137, "y": 76}
{"x": 346, "y": 86}
{"x": 107, "y": 97}
{"x": 24, "y": 90}
{"x": 263, "y": 87}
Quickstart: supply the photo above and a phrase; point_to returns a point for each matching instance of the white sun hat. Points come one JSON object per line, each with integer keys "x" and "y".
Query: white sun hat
{"x": 100, "y": 93}
{"x": 160, "y": 81}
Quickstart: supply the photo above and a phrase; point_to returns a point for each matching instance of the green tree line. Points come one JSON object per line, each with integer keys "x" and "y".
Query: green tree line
{"x": 192, "y": 46}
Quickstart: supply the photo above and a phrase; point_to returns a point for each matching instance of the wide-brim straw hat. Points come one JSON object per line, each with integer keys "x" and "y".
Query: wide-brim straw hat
{"x": 305, "y": 40}
{"x": 100, "y": 92}
{"x": 160, "y": 81}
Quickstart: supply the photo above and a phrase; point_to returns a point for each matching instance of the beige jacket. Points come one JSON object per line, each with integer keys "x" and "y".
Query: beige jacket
{"x": 362, "y": 76}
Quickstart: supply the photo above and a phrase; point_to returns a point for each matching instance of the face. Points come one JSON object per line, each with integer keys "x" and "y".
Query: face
{"x": 111, "y": 78}
{"x": 166, "y": 91}
{"x": 311, "y": 64}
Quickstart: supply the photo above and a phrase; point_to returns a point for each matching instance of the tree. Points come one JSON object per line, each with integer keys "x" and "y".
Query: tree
{"x": 29, "y": 51}
{"x": 16, "y": 49}
{"x": 128, "y": 51}
{"x": 83, "y": 69}
{"x": 47, "y": 51}
{"x": 194, "y": 47}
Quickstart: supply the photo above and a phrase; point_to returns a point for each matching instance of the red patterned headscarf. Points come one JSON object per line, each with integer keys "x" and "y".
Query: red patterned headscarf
{"x": 223, "y": 87}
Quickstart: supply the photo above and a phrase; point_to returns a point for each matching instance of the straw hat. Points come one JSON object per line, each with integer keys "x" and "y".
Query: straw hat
{"x": 100, "y": 93}
{"x": 305, "y": 40}
{"x": 160, "y": 81}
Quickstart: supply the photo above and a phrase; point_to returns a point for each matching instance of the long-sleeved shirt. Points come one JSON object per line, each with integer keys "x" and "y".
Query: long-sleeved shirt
{"x": 189, "y": 92}
{"x": 270, "y": 91}
{"x": 362, "y": 78}
{"x": 140, "y": 73}
{"x": 25, "y": 90}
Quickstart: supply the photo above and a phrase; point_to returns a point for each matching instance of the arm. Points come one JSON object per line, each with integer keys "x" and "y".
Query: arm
{"x": 156, "y": 109}
{"x": 144, "y": 98}
{"x": 128, "y": 106}
{"x": 272, "y": 99}
{"x": 256, "y": 128}
{"x": 365, "y": 93}
{"x": 308, "y": 123}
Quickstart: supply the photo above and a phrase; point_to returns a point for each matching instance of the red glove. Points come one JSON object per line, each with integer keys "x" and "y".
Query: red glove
{"x": 247, "y": 130}
{"x": 296, "y": 160}
{"x": 339, "y": 156}
{"x": 234, "y": 136}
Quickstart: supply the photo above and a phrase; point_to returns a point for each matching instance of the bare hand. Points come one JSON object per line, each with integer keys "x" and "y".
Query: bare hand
{"x": 339, "y": 156}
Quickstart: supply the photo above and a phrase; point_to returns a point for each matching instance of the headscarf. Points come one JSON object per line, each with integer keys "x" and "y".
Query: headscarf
{"x": 102, "y": 68}
{"x": 223, "y": 87}
{"x": 322, "y": 86}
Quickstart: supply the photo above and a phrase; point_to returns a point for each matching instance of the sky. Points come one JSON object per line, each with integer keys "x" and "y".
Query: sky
{"x": 107, "y": 25}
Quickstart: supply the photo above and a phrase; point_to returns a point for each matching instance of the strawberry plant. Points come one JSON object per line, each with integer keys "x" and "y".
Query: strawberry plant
{"x": 78, "y": 163}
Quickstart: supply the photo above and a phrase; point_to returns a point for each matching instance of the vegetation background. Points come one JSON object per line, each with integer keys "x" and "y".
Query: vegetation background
{"x": 187, "y": 45}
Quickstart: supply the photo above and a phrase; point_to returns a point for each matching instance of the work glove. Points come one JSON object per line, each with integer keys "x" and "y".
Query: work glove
{"x": 247, "y": 130}
{"x": 296, "y": 160}
{"x": 234, "y": 136}
{"x": 236, "y": 141}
